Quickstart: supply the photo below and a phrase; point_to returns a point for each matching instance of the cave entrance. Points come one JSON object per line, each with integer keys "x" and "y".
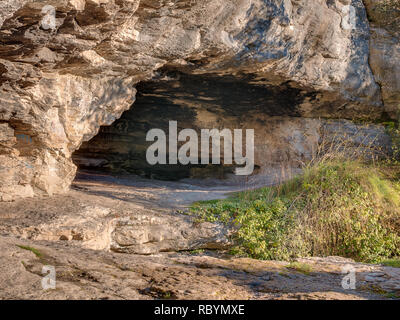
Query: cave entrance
{"x": 195, "y": 102}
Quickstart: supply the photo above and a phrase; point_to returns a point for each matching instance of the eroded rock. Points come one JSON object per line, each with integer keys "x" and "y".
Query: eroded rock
{"x": 385, "y": 51}
{"x": 87, "y": 274}
{"x": 149, "y": 235}
{"x": 59, "y": 85}
{"x": 385, "y": 57}
{"x": 103, "y": 216}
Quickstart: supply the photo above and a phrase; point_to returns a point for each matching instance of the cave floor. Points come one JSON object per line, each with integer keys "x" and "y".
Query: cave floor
{"x": 156, "y": 194}
{"x": 92, "y": 235}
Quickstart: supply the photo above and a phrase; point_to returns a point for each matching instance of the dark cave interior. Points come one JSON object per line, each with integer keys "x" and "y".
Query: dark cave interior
{"x": 195, "y": 102}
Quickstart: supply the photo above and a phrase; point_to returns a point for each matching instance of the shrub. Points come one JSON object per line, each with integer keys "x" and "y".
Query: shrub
{"x": 346, "y": 208}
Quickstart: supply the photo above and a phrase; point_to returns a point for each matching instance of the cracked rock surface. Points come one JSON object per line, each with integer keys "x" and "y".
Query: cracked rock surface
{"x": 108, "y": 215}
{"x": 91, "y": 260}
{"x": 87, "y": 274}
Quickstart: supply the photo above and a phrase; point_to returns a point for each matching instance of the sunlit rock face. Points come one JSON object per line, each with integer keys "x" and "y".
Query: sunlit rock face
{"x": 59, "y": 85}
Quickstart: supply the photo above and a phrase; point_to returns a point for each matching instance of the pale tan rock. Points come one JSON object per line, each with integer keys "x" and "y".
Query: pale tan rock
{"x": 384, "y": 61}
{"x": 163, "y": 235}
{"x": 385, "y": 50}
{"x": 57, "y": 87}
{"x": 87, "y": 274}
{"x": 40, "y": 232}
{"x": 90, "y": 226}
{"x": 107, "y": 222}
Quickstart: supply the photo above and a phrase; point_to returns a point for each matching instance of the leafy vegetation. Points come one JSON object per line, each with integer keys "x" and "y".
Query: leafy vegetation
{"x": 197, "y": 251}
{"x": 344, "y": 208}
{"x": 393, "y": 129}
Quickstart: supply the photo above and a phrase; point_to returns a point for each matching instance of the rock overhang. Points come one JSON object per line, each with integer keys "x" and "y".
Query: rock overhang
{"x": 64, "y": 83}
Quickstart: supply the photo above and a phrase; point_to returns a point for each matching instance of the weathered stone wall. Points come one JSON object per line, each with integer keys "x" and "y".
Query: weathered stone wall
{"x": 58, "y": 86}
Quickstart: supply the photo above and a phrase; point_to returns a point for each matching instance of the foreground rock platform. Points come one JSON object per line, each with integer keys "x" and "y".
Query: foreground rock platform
{"x": 112, "y": 238}
{"x": 88, "y": 274}
{"x": 129, "y": 215}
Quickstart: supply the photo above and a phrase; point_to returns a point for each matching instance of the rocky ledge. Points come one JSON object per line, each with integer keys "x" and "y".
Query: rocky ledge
{"x": 85, "y": 235}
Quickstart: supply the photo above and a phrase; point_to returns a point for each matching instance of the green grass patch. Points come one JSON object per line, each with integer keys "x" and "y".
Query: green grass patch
{"x": 392, "y": 295}
{"x": 395, "y": 263}
{"x": 335, "y": 208}
{"x": 36, "y": 252}
{"x": 300, "y": 267}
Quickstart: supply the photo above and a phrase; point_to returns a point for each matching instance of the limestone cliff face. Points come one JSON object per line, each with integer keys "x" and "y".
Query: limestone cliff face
{"x": 385, "y": 50}
{"x": 58, "y": 85}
